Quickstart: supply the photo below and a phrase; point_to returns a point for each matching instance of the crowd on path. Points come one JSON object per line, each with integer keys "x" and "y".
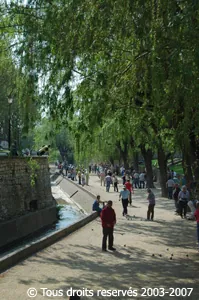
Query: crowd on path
{"x": 111, "y": 177}
{"x": 78, "y": 174}
{"x": 108, "y": 177}
{"x": 181, "y": 196}
{"x": 107, "y": 214}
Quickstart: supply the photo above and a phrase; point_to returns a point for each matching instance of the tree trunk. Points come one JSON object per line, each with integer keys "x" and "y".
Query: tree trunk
{"x": 186, "y": 164}
{"x": 194, "y": 149}
{"x": 162, "y": 161}
{"x": 136, "y": 161}
{"x": 111, "y": 159}
{"x": 124, "y": 155}
{"x": 194, "y": 144}
{"x": 148, "y": 156}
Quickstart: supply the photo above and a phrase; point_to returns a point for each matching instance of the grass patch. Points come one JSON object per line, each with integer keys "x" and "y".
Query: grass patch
{"x": 177, "y": 168}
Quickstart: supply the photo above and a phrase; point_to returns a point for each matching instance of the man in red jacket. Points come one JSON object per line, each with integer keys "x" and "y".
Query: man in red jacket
{"x": 108, "y": 218}
{"x": 129, "y": 187}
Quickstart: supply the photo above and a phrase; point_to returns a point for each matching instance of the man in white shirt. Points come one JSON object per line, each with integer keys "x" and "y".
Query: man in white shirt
{"x": 136, "y": 179}
{"x": 142, "y": 180}
{"x": 183, "y": 197}
{"x": 170, "y": 185}
{"x": 124, "y": 195}
{"x": 108, "y": 182}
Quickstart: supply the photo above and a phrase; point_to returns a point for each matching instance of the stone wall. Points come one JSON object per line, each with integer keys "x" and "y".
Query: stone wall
{"x": 17, "y": 196}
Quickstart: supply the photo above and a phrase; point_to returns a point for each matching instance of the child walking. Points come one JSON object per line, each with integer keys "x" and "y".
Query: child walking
{"x": 196, "y": 214}
{"x": 151, "y": 199}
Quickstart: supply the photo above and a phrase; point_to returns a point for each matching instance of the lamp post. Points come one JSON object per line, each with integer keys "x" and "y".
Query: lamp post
{"x": 10, "y": 100}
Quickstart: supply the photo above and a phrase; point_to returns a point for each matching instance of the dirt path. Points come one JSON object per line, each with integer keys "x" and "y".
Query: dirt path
{"x": 143, "y": 256}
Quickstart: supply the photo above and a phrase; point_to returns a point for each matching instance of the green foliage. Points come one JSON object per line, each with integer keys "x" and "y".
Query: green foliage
{"x": 59, "y": 211}
{"x": 34, "y": 166}
{"x": 54, "y": 156}
{"x": 47, "y": 132}
{"x": 125, "y": 72}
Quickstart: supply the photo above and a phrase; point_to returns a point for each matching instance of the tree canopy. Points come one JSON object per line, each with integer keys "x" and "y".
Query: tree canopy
{"x": 123, "y": 75}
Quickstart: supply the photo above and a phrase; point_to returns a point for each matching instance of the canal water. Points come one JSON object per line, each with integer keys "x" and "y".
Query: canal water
{"x": 69, "y": 215}
{"x": 72, "y": 209}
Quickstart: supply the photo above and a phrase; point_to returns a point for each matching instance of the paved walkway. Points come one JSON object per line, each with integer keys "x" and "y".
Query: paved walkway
{"x": 143, "y": 256}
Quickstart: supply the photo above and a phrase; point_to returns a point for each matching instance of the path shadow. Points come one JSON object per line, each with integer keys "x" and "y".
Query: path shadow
{"x": 129, "y": 266}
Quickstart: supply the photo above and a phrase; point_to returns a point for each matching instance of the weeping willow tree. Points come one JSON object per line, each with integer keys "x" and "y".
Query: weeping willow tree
{"x": 131, "y": 63}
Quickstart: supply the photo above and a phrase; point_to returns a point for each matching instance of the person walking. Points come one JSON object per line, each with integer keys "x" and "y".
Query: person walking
{"x": 124, "y": 195}
{"x": 72, "y": 174}
{"x": 79, "y": 177}
{"x": 192, "y": 206}
{"x": 129, "y": 187}
{"x": 142, "y": 180}
{"x": 151, "y": 199}
{"x": 136, "y": 179}
{"x": 175, "y": 197}
{"x": 124, "y": 178}
{"x": 170, "y": 184}
{"x": 108, "y": 182}
{"x": 183, "y": 198}
{"x": 83, "y": 179}
{"x": 75, "y": 174}
{"x": 65, "y": 167}
{"x": 108, "y": 218}
{"x": 102, "y": 177}
{"x": 115, "y": 183}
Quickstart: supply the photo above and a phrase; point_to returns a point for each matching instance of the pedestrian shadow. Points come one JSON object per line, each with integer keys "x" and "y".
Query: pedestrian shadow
{"x": 134, "y": 218}
{"x": 137, "y": 218}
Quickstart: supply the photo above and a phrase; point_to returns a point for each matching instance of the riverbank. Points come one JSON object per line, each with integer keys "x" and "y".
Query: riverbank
{"x": 149, "y": 254}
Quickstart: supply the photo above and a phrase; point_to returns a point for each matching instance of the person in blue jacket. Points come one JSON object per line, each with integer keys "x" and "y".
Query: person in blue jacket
{"x": 96, "y": 205}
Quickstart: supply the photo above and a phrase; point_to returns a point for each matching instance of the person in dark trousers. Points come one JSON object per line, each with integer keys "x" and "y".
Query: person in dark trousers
{"x": 96, "y": 205}
{"x": 151, "y": 199}
{"x": 108, "y": 218}
{"x": 183, "y": 197}
{"x": 124, "y": 178}
{"x": 125, "y": 196}
{"x": 115, "y": 183}
{"x": 175, "y": 197}
{"x": 129, "y": 187}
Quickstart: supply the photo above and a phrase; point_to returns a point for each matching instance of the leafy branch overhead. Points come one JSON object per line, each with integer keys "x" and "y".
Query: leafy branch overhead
{"x": 114, "y": 71}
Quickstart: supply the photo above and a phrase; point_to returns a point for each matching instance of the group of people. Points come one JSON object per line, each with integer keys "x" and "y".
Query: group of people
{"x": 78, "y": 174}
{"x": 135, "y": 181}
{"x": 108, "y": 216}
{"x": 181, "y": 197}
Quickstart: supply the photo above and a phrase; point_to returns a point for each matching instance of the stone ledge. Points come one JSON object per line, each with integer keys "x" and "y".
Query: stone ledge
{"x": 11, "y": 259}
{"x": 81, "y": 187}
{"x": 18, "y": 228}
